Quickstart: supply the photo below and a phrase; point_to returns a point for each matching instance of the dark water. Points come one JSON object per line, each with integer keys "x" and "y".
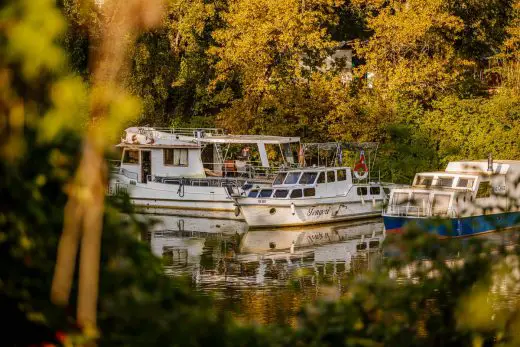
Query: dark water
{"x": 266, "y": 276}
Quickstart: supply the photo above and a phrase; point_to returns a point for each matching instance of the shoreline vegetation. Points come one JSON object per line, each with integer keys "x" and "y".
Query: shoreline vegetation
{"x": 432, "y": 81}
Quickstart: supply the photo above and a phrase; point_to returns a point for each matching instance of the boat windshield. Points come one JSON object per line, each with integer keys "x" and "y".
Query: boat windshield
{"x": 292, "y": 177}
{"x": 465, "y": 182}
{"x": 279, "y": 178}
{"x": 280, "y": 193}
{"x": 444, "y": 181}
{"x": 424, "y": 181}
{"x": 308, "y": 178}
{"x": 265, "y": 193}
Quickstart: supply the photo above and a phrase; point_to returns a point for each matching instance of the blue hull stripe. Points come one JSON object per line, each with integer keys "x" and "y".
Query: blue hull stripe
{"x": 456, "y": 227}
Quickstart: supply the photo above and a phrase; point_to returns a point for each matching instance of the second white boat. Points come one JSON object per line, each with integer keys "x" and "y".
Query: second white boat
{"x": 312, "y": 196}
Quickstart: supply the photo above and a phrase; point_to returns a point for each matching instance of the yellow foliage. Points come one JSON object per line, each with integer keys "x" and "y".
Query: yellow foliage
{"x": 412, "y": 50}
{"x": 43, "y": 20}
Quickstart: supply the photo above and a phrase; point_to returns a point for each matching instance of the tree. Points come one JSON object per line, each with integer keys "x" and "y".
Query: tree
{"x": 264, "y": 49}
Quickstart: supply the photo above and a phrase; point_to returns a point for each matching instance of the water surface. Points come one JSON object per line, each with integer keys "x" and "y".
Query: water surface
{"x": 266, "y": 276}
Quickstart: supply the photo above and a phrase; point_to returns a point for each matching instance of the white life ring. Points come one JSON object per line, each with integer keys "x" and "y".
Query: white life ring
{"x": 360, "y": 176}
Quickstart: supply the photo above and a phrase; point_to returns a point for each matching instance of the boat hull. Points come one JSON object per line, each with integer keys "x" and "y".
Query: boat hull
{"x": 278, "y": 215}
{"x": 172, "y": 199}
{"x": 454, "y": 227}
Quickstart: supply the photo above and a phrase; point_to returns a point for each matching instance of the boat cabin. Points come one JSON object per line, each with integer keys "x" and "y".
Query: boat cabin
{"x": 160, "y": 154}
{"x": 465, "y": 187}
{"x": 315, "y": 182}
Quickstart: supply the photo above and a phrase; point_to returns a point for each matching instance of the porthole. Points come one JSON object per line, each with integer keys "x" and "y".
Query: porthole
{"x": 272, "y": 211}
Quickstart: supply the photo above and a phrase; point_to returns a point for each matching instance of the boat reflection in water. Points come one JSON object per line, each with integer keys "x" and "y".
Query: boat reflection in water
{"x": 266, "y": 275}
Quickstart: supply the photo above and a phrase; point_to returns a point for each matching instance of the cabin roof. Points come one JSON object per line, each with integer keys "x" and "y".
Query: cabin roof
{"x": 480, "y": 166}
{"x": 159, "y": 145}
{"x": 252, "y": 139}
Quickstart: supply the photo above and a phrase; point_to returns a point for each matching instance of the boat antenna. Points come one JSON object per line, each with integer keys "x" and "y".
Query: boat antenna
{"x": 490, "y": 163}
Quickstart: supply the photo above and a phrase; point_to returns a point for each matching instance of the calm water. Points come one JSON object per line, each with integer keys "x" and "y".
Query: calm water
{"x": 266, "y": 276}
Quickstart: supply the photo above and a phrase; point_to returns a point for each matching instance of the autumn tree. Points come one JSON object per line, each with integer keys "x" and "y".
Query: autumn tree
{"x": 265, "y": 49}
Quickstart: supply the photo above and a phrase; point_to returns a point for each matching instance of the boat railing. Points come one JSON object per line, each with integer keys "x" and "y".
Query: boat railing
{"x": 242, "y": 169}
{"x": 408, "y": 210}
{"x": 116, "y": 188}
{"x": 419, "y": 211}
{"x": 184, "y": 131}
{"x": 115, "y": 167}
{"x": 127, "y": 173}
{"x": 200, "y": 181}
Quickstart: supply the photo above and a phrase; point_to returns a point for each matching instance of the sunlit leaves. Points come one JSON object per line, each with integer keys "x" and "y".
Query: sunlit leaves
{"x": 412, "y": 51}
{"x": 70, "y": 108}
{"x": 32, "y": 37}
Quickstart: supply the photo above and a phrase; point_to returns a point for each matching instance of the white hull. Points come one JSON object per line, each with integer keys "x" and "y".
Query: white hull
{"x": 307, "y": 212}
{"x": 172, "y": 199}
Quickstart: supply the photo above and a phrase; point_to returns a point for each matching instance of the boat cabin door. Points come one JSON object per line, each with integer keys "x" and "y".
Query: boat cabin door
{"x": 146, "y": 165}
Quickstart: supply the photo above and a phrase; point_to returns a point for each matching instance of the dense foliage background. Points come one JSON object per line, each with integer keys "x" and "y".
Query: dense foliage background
{"x": 444, "y": 84}
{"x": 433, "y": 80}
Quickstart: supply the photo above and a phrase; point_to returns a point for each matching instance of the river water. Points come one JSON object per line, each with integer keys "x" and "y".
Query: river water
{"x": 267, "y": 276}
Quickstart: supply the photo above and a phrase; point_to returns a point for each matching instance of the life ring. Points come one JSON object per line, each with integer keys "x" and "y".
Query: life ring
{"x": 361, "y": 169}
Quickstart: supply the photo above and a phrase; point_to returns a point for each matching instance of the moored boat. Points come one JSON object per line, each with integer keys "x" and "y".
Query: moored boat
{"x": 194, "y": 171}
{"x": 468, "y": 198}
{"x": 314, "y": 195}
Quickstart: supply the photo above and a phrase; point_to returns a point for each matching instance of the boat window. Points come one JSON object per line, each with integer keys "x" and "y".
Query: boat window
{"x": 331, "y": 176}
{"x": 386, "y": 190}
{"x": 175, "y": 156}
{"x": 362, "y": 191}
{"x": 292, "y": 178}
{"x": 484, "y": 190}
{"x": 265, "y": 193}
{"x": 342, "y": 175}
{"x": 444, "y": 181}
{"x": 131, "y": 157}
{"x": 307, "y": 192}
{"x": 321, "y": 177}
{"x": 252, "y": 194}
{"x": 400, "y": 199}
{"x": 308, "y": 178}
{"x": 465, "y": 182}
{"x": 420, "y": 200}
{"x": 440, "y": 204}
{"x": 296, "y": 193}
{"x": 279, "y": 178}
{"x": 375, "y": 190}
{"x": 280, "y": 193}
{"x": 424, "y": 181}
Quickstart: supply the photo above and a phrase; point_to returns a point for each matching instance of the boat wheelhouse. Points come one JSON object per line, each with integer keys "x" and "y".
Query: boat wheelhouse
{"x": 312, "y": 195}
{"x": 468, "y": 198}
{"x": 193, "y": 171}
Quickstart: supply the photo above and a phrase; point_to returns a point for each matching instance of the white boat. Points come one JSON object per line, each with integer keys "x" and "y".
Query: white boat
{"x": 468, "y": 198}
{"x": 314, "y": 195}
{"x": 192, "y": 171}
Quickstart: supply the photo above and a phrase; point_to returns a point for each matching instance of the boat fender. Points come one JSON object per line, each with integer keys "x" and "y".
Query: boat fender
{"x": 237, "y": 211}
{"x": 293, "y": 210}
